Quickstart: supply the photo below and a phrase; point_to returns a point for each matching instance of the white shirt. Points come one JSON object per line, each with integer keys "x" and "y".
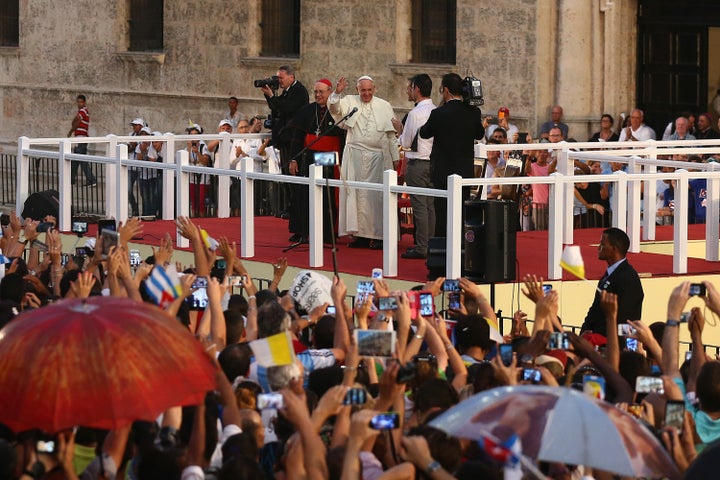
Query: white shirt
{"x": 417, "y": 117}
{"x": 642, "y": 133}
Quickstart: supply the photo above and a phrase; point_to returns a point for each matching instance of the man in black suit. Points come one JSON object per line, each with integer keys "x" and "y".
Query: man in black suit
{"x": 283, "y": 107}
{"x": 620, "y": 279}
{"x": 454, "y": 128}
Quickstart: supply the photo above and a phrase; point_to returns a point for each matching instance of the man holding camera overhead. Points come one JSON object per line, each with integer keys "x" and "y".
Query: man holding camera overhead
{"x": 283, "y": 107}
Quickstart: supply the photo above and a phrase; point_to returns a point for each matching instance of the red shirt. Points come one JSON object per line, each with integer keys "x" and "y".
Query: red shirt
{"x": 82, "y": 129}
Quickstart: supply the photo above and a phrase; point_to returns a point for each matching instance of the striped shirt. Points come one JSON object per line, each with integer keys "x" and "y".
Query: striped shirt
{"x": 82, "y": 129}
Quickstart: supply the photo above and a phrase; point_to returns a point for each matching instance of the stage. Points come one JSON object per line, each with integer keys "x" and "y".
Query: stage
{"x": 271, "y": 234}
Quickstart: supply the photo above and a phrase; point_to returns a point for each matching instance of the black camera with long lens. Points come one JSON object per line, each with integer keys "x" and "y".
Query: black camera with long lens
{"x": 272, "y": 82}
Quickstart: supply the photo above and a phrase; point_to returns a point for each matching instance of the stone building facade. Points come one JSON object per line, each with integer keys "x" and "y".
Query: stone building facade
{"x": 529, "y": 54}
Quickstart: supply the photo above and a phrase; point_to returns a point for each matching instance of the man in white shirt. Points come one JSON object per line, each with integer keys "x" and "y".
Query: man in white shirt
{"x": 417, "y": 152}
{"x": 637, "y": 131}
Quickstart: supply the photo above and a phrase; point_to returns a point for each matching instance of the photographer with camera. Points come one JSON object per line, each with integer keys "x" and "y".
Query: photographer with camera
{"x": 454, "y": 127}
{"x": 283, "y": 107}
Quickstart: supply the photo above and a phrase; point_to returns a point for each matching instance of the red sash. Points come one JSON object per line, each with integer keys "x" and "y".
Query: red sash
{"x": 327, "y": 143}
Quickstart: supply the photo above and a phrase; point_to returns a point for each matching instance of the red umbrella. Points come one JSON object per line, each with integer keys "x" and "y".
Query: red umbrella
{"x": 98, "y": 362}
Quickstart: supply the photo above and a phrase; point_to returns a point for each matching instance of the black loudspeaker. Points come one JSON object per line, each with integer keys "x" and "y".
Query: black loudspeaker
{"x": 40, "y": 204}
{"x": 436, "y": 257}
{"x": 490, "y": 237}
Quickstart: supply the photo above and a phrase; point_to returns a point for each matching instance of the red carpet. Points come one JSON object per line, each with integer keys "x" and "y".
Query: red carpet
{"x": 271, "y": 238}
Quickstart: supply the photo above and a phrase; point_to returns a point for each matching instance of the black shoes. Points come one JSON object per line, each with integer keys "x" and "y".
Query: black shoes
{"x": 295, "y": 237}
{"x": 412, "y": 253}
{"x": 360, "y": 242}
{"x": 376, "y": 245}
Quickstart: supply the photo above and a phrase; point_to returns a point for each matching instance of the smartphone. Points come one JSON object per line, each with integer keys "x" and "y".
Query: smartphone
{"x": 79, "y": 227}
{"x": 451, "y": 285}
{"x": 375, "y": 343}
{"x": 108, "y": 239}
{"x": 44, "y": 227}
{"x": 376, "y": 273}
{"x": 331, "y": 310}
{"x": 82, "y": 251}
{"x": 385, "y": 421}
{"x": 387, "y": 303}
{"x": 688, "y": 355}
{"x": 626, "y": 330}
{"x": 522, "y": 137}
{"x": 200, "y": 282}
{"x": 454, "y": 301}
{"x": 594, "y": 386}
{"x": 506, "y": 353}
{"x": 675, "y": 414}
{"x": 107, "y": 224}
{"x": 46, "y": 445}
{"x": 269, "y": 400}
{"x": 355, "y": 396}
{"x": 220, "y": 264}
{"x": 559, "y": 341}
{"x": 135, "y": 259}
{"x": 649, "y": 385}
{"x": 365, "y": 286}
{"x": 531, "y": 375}
{"x": 696, "y": 289}
{"x": 4, "y": 219}
{"x": 427, "y": 304}
{"x": 546, "y": 288}
{"x": 325, "y": 159}
{"x": 198, "y": 300}
{"x": 631, "y": 344}
{"x": 235, "y": 280}
{"x": 64, "y": 257}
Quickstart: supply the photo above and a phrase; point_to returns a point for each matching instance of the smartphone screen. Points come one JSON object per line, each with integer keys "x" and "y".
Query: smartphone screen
{"x": 506, "y": 353}
{"x": 454, "y": 301}
{"x": 108, "y": 224}
{"x": 269, "y": 400}
{"x": 696, "y": 289}
{"x": 387, "y": 303}
{"x": 451, "y": 285}
{"x": 649, "y": 385}
{"x": 365, "y": 286}
{"x": 531, "y": 375}
{"x": 675, "y": 414}
{"x": 355, "y": 396}
{"x": 385, "y": 421}
{"x": 427, "y": 308}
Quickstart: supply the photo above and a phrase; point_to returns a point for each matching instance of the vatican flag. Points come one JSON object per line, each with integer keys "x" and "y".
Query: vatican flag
{"x": 572, "y": 261}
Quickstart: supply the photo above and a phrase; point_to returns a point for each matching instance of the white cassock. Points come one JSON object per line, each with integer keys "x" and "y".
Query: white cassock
{"x": 370, "y": 149}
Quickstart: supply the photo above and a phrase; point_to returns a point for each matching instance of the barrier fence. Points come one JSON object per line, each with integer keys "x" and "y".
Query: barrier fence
{"x": 640, "y": 158}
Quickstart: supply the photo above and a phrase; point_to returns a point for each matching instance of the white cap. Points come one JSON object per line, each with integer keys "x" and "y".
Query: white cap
{"x": 138, "y": 121}
{"x": 224, "y": 121}
{"x": 146, "y": 130}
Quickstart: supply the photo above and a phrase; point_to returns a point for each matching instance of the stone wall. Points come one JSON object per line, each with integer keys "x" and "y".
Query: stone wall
{"x": 530, "y": 54}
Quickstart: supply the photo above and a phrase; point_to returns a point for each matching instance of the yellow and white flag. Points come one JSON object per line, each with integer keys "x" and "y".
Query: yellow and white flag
{"x": 274, "y": 350}
{"x": 572, "y": 261}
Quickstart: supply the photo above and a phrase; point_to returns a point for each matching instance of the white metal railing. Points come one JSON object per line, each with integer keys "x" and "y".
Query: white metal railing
{"x": 640, "y": 157}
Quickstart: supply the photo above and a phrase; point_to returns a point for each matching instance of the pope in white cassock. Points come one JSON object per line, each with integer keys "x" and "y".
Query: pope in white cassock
{"x": 370, "y": 149}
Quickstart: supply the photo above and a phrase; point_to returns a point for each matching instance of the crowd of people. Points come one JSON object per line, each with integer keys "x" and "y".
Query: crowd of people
{"x": 350, "y": 408}
{"x": 429, "y": 144}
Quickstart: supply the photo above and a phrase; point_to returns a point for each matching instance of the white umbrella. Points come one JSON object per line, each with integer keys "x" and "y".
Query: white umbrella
{"x": 558, "y": 424}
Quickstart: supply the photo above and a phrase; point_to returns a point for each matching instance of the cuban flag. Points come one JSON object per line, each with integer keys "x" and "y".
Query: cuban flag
{"x": 507, "y": 453}
{"x": 163, "y": 285}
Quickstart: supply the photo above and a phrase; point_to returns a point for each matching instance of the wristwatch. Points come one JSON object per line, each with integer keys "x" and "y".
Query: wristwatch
{"x": 432, "y": 467}
{"x": 672, "y": 322}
